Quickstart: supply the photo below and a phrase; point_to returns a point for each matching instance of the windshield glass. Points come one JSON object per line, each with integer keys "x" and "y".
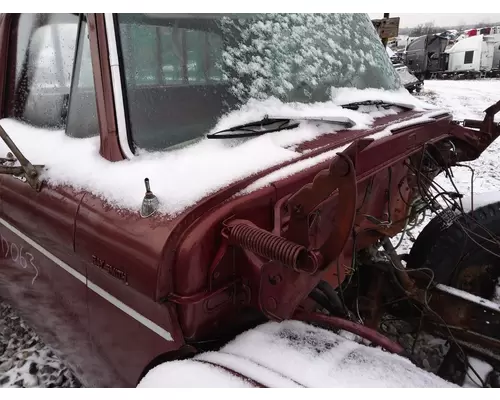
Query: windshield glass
{"x": 182, "y": 72}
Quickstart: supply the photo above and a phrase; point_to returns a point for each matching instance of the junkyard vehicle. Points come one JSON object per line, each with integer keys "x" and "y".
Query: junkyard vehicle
{"x": 136, "y": 229}
{"x": 426, "y": 55}
{"x": 437, "y": 57}
{"x": 408, "y": 79}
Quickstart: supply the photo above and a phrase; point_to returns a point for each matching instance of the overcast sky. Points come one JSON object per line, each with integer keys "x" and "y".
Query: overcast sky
{"x": 440, "y": 19}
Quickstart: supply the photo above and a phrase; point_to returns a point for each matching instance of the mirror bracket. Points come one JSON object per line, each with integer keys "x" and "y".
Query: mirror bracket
{"x": 27, "y": 170}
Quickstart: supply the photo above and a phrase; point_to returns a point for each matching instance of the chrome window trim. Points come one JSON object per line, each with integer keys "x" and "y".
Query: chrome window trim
{"x": 121, "y": 124}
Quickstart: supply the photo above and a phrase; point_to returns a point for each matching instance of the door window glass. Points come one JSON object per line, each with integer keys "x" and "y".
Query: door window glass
{"x": 44, "y": 53}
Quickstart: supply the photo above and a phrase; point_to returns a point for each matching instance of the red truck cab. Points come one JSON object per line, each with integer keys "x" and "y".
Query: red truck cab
{"x": 84, "y": 274}
{"x": 115, "y": 291}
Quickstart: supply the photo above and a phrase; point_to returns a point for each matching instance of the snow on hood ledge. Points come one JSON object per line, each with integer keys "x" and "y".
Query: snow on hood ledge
{"x": 303, "y": 165}
{"x": 182, "y": 177}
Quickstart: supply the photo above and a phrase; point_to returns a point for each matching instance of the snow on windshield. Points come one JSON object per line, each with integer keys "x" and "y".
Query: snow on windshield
{"x": 182, "y": 177}
{"x": 218, "y": 63}
{"x": 298, "y": 57}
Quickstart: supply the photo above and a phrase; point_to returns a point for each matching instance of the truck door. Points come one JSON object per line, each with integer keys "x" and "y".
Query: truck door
{"x": 128, "y": 325}
{"x": 50, "y": 98}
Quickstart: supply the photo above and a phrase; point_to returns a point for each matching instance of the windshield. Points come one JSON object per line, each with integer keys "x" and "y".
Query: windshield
{"x": 182, "y": 72}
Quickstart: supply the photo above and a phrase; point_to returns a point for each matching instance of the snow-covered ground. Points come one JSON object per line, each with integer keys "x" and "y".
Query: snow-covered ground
{"x": 25, "y": 361}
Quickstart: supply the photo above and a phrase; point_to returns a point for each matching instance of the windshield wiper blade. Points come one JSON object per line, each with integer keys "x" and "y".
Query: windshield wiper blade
{"x": 344, "y": 121}
{"x": 385, "y": 104}
{"x": 254, "y": 128}
{"x": 257, "y": 128}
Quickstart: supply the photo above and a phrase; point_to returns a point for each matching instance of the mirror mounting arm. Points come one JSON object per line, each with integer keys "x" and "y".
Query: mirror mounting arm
{"x": 27, "y": 170}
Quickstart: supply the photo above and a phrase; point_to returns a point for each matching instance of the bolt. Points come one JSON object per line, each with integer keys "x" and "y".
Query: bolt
{"x": 297, "y": 209}
{"x": 343, "y": 168}
{"x": 275, "y": 279}
{"x": 216, "y": 274}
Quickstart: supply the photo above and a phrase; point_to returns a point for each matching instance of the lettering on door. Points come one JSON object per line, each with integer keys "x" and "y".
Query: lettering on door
{"x": 113, "y": 271}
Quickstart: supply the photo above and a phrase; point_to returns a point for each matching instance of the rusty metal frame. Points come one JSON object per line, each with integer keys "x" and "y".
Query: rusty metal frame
{"x": 478, "y": 134}
{"x": 457, "y": 318}
{"x": 284, "y": 266}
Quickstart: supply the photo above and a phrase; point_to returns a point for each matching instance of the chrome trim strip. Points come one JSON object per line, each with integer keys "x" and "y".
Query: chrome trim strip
{"x": 92, "y": 286}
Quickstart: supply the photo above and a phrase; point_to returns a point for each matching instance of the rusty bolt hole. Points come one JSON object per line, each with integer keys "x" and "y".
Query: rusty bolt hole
{"x": 297, "y": 209}
{"x": 275, "y": 279}
{"x": 272, "y": 304}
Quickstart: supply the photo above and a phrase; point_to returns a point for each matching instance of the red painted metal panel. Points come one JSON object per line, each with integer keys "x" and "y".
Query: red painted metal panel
{"x": 52, "y": 300}
{"x": 122, "y": 253}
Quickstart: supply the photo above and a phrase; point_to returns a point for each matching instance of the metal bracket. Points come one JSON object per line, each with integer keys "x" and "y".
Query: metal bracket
{"x": 321, "y": 215}
{"x": 30, "y": 172}
{"x": 478, "y": 135}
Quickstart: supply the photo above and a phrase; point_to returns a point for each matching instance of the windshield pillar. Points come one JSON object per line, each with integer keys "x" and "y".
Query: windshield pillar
{"x": 109, "y": 97}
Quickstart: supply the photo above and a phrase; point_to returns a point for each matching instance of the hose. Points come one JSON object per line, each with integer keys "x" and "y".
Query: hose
{"x": 332, "y": 296}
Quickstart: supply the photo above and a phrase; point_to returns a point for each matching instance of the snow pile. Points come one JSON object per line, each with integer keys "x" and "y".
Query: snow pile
{"x": 182, "y": 177}
{"x": 295, "y": 354}
{"x": 189, "y": 374}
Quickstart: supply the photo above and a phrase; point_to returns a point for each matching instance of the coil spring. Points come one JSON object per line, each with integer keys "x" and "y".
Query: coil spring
{"x": 267, "y": 245}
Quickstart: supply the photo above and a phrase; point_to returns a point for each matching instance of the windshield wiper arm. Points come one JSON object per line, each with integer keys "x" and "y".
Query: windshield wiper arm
{"x": 385, "y": 104}
{"x": 257, "y": 128}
